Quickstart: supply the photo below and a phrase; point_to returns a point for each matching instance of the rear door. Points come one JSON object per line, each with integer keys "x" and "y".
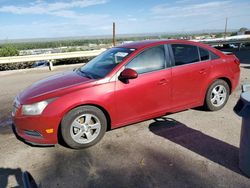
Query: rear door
{"x": 190, "y": 72}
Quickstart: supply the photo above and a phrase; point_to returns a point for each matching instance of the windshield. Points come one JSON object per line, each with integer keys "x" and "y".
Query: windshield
{"x": 101, "y": 65}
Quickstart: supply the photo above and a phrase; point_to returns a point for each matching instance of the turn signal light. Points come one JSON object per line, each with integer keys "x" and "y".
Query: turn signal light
{"x": 49, "y": 131}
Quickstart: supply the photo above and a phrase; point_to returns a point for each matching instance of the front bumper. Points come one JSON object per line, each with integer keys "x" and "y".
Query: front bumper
{"x": 36, "y": 130}
{"x": 26, "y": 141}
{"x": 33, "y": 130}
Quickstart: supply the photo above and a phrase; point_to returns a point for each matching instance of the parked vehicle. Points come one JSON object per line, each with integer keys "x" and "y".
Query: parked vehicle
{"x": 124, "y": 85}
{"x": 39, "y": 64}
{"x": 233, "y": 46}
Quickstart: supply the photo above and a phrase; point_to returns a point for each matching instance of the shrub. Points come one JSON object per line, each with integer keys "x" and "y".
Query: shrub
{"x": 8, "y": 50}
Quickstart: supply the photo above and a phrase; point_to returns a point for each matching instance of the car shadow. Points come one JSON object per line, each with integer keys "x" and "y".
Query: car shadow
{"x": 90, "y": 168}
{"x": 6, "y": 172}
{"x": 211, "y": 148}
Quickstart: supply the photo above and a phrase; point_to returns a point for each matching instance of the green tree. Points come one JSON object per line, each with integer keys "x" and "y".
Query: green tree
{"x": 8, "y": 50}
{"x": 233, "y": 34}
{"x": 243, "y": 29}
{"x": 218, "y": 35}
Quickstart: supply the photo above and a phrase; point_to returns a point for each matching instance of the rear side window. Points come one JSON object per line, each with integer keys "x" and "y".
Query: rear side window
{"x": 204, "y": 54}
{"x": 149, "y": 60}
{"x": 185, "y": 54}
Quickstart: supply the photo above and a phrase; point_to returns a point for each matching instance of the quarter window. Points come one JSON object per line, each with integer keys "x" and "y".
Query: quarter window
{"x": 204, "y": 54}
{"x": 149, "y": 60}
{"x": 185, "y": 54}
{"x": 213, "y": 56}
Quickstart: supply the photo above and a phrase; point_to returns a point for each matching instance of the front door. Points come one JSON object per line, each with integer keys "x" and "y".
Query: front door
{"x": 148, "y": 94}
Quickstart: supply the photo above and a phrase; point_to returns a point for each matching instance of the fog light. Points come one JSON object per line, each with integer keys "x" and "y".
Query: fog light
{"x": 33, "y": 133}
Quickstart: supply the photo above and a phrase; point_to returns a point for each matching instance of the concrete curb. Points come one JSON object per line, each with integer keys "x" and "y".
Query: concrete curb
{"x": 244, "y": 65}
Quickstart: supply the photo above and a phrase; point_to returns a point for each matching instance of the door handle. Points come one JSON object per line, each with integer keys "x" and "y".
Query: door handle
{"x": 163, "y": 82}
{"x": 203, "y": 71}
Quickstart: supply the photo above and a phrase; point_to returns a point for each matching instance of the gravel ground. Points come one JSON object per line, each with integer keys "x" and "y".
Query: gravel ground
{"x": 192, "y": 148}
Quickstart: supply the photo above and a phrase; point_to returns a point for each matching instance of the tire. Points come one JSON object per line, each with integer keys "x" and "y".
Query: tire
{"x": 83, "y": 127}
{"x": 217, "y": 95}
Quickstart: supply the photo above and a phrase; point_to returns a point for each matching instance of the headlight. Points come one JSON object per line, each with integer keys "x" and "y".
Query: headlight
{"x": 35, "y": 108}
{"x": 16, "y": 105}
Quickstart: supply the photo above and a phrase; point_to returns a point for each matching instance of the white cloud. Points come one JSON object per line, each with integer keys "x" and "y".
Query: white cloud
{"x": 132, "y": 19}
{"x": 61, "y": 9}
{"x": 188, "y": 15}
{"x": 50, "y": 29}
{"x": 75, "y": 23}
{"x": 184, "y": 1}
{"x": 180, "y": 16}
{"x": 41, "y": 7}
{"x": 188, "y": 10}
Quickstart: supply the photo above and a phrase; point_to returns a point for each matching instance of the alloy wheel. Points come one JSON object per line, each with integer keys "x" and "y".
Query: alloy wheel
{"x": 218, "y": 95}
{"x": 85, "y": 128}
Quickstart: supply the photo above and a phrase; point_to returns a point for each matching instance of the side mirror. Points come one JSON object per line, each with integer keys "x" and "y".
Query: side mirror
{"x": 127, "y": 74}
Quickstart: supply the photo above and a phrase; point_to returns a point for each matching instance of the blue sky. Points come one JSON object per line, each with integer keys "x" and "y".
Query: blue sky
{"x": 65, "y": 18}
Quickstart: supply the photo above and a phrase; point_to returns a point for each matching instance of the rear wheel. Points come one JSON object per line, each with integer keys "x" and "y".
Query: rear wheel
{"x": 83, "y": 127}
{"x": 217, "y": 95}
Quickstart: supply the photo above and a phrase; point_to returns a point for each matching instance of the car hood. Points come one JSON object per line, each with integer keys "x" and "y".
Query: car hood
{"x": 52, "y": 86}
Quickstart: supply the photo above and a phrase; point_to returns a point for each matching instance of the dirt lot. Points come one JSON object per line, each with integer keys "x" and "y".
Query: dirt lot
{"x": 188, "y": 149}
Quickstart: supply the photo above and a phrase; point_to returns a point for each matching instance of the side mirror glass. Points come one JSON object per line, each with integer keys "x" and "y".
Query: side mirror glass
{"x": 127, "y": 74}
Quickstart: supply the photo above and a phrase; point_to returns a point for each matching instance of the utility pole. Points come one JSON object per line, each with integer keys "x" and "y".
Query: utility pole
{"x": 225, "y": 34}
{"x": 113, "y": 33}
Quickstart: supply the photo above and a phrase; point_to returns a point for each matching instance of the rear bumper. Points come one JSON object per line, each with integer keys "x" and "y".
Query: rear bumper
{"x": 235, "y": 80}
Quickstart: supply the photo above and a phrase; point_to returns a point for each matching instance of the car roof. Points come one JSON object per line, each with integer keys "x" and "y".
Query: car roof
{"x": 149, "y": 43}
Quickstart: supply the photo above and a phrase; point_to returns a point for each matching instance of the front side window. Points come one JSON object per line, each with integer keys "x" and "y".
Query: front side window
{"x": 149, "y": 60}
{"x": 103, "y": 64}
{"x": 185, "y": 54}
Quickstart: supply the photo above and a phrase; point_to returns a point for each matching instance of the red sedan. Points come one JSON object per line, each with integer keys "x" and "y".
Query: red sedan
{"x": 124, "y": 85}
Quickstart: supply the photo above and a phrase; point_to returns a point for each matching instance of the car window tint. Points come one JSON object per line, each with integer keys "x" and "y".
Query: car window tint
{"x": 185, "y": 54}
{"x": 149, "y": 60}
{"x": 103, "y": 64}
{"x": 204, "y": 54}
{"x": 214, "y": 56}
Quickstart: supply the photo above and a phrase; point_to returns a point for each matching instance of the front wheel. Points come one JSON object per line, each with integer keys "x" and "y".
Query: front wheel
{"x": 83, "y": 127}
{"x": 217, "y": 95}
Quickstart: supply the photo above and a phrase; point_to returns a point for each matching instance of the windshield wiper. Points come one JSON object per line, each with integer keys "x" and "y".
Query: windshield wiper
{"x": 86, "y": 74}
